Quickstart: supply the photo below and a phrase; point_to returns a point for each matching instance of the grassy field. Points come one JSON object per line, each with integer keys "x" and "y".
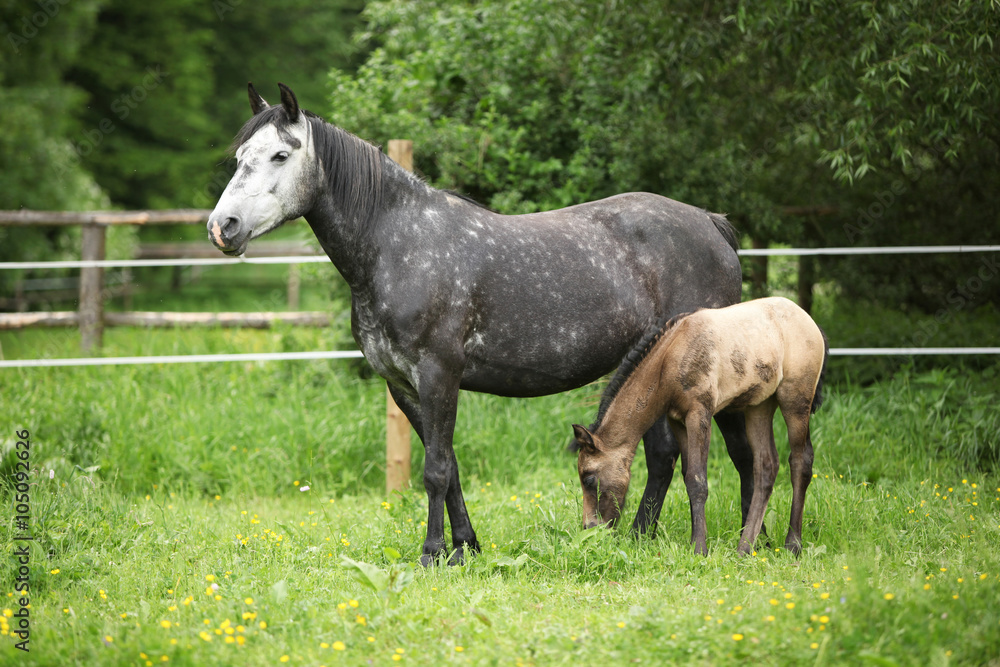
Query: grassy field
{"x": 172, "y": 525}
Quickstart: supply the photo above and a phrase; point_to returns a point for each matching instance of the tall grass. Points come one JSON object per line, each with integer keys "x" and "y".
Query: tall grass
{"x": 256, "y": 427}
{"x": 166, "y": 480}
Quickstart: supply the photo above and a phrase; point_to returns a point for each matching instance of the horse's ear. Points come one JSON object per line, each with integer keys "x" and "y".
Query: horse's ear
{"x": 584, "y": 439}
{"x": 257, "y": 103}
{"x": 289, "y": 102}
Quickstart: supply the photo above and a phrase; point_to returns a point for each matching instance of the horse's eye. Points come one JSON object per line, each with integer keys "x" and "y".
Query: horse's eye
{"x": 280, "y": 156}
{"x": 590, "y": 482}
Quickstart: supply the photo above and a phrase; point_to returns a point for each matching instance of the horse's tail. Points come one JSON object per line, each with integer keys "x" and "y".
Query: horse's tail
{"x": 726, "y": 229}
{"x": 818, "y": 396}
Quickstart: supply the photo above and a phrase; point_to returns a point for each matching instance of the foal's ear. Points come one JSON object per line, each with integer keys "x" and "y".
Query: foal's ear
{"x": 584, "y": 438}
{"x": 257, "y": 103}
{"x": 289, "y": 102}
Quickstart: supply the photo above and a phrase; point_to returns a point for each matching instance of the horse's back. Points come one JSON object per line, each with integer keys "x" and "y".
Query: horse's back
{"x": 754, "y": 347}
{"x": 691, "y": 251}
{"x": 561, "y": 296}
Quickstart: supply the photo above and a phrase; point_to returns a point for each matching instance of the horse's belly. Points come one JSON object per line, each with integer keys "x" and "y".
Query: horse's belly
{"x": 546, "y": 365}
{"x": 520, "y": 382}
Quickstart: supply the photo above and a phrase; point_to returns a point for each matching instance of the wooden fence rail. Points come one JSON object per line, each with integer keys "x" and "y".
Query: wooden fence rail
{"x": 135, "y": 318}
{"x": 95, "y": 223}
{"x": 91, "y": 317}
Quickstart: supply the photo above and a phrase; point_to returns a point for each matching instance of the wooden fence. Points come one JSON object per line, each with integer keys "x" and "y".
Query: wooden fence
{"x": 91, "y": 318}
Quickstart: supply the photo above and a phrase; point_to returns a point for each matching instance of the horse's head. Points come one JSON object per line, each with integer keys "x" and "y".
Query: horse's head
{"x": 276, "y": 174}
{"x": 604, "y": 475}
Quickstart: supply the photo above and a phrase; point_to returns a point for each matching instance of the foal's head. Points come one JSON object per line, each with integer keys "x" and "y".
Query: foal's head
{"x": 604, "y": 476}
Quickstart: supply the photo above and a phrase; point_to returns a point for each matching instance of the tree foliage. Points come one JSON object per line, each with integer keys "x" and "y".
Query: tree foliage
{"x": 762, "y": 110}
{"x": 881, "y": 115}
{"x": 116, "y": 103}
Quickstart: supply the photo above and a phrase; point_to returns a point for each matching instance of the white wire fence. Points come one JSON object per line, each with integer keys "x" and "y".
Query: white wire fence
{"x": 314, "y": 259}
{"x": 355, "y": 354}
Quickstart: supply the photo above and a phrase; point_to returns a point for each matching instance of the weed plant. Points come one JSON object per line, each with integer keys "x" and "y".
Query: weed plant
{"x": 233, "y": 514}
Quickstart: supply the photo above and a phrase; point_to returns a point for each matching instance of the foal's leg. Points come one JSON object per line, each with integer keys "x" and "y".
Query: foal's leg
{"x": 662, "y": 451}
{"x": 760, "y": 432}
{"x": 694, "y": 466}
{"x": 734, "y": 430}
{"x": 800, "y": 461}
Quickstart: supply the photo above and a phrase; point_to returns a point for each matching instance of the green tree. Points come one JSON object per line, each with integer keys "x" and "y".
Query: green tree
{"x": 37, "y": 107}
{"x": 761, "y": 110}
{"x": 116, "y": 103}
{"x": 37, "y": 117}
{"x": 167, "y": 85}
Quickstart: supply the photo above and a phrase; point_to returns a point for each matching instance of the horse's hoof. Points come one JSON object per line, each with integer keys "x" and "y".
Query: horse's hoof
{"x": 434, "y": 559}
{"x": 457, "y": 557}
{"x": 794, "y": 547}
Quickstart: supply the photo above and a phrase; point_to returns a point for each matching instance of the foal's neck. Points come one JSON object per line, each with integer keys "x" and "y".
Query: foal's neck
{"x": 641, "y": 401}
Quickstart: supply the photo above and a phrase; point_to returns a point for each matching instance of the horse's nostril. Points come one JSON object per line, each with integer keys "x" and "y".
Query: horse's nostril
{"x": 230, "y": 226}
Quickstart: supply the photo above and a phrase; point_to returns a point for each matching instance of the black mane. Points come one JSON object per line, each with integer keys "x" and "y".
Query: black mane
{"x": 353, "y": 166}
{"x": 631, "y": 362}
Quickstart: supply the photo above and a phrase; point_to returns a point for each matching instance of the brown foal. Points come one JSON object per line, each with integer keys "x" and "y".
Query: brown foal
{"x": 752, "y": 357}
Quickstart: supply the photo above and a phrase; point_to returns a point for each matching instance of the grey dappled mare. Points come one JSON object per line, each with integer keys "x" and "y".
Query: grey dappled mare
{"x": 447, "y": 295}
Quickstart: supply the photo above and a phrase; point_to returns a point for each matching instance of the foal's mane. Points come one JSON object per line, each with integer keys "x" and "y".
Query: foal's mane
{"x": 631, "y": 362}
{"x": 353, "y": 166}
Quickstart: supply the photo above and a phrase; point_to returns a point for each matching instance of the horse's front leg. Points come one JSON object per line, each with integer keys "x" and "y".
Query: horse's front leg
{"x": 438, "y": 392}
{"x": 662, "y": 451}
{"x": 694, "y": 459}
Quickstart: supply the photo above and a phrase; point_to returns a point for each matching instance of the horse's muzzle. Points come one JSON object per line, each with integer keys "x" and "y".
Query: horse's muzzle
{"x": 227, "y": 235}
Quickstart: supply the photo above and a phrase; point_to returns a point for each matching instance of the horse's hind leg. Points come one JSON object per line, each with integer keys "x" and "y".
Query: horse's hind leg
{"x": 760, "y": 432}
{"x": 734, "y": 430}
{"x": 800, "y": 461}
{"x": 662, "y": 451}
{"x": 409, "y": 408}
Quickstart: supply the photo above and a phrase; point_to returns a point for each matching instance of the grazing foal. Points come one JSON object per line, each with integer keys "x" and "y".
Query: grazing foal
{"x": 752, "y": 358}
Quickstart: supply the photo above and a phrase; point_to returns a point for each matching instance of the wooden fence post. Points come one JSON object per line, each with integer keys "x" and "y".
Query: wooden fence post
{"x": 91, "y": 290}
{"x": 397, "y": 427}
{"x": 294, "y": 286}
{"x": 758, "y": 270}
{"x": 807, "y": 278}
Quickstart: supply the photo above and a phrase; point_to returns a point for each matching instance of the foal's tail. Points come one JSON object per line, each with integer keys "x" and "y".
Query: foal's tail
{"x": 818, "y": 396}
{"x": 726, "y": 229}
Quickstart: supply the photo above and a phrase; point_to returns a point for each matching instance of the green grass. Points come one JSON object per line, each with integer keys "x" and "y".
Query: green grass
{"x": 906, "y": 572}
{"x": 166, "y": 476}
